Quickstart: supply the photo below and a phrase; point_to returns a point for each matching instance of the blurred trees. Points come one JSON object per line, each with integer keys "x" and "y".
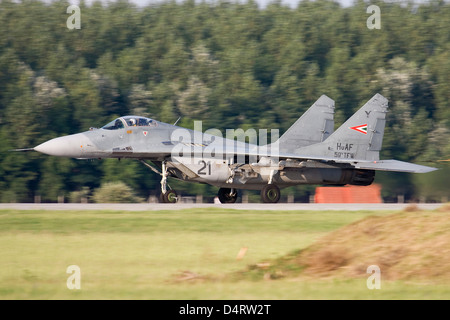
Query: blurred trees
{"x": 229, "y": 64}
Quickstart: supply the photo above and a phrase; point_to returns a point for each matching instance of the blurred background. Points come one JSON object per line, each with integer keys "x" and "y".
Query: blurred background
{"x": 244, "y": 64}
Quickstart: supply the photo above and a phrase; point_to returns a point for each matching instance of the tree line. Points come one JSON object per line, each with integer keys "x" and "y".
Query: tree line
{"x": 231, "y": 65}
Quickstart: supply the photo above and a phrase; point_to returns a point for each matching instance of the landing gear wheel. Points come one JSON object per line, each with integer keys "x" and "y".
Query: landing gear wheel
{"x": 169, "y": 197}
{"x": 227, "y": 195}
{"x": 270, "y": 193}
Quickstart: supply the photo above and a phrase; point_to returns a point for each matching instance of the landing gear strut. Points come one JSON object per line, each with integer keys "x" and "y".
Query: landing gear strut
{"x": 227, "y": 195}
{"x": 166, "y": 196}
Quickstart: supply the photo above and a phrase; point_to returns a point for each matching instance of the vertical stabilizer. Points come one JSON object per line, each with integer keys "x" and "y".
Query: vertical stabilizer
{"x": 359, "y": 138}
{"x": 314, "y": 126}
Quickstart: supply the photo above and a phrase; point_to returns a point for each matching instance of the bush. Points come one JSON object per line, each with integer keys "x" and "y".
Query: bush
{"x": 115, "y": 192}
{"x": 80, "y": 196}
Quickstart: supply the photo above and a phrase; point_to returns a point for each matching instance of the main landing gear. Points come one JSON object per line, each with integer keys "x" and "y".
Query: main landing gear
{"x": 270, "y": 193}
{"x": 227, "y": 195}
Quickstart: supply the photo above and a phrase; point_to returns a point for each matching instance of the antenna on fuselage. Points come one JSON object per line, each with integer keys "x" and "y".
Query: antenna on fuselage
{"x": 177, "y": 121}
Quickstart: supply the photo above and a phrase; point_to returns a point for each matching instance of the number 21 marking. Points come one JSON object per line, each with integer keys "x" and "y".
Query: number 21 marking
{"x": 202, "y": 169}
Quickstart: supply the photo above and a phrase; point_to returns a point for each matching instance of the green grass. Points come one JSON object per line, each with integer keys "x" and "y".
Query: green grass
{"x": 129, "y": 255}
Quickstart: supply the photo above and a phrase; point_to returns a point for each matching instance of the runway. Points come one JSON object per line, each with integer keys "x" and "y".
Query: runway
{"x": 236, "y": 206}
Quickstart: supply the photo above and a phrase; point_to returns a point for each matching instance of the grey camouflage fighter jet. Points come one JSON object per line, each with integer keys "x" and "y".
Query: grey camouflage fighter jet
{"x": 309, "y": 152}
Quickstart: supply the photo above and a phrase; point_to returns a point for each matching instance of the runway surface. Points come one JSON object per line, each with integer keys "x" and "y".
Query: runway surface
{"x": 236, "y": 206}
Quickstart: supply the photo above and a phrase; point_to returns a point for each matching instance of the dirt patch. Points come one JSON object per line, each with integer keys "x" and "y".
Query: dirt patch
{"x": 406, "y": 245}
{"x": 325, "y": 261}
{"x": 444, "y": 208}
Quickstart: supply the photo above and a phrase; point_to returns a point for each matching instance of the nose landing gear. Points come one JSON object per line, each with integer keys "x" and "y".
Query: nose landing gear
{"x": 169, "y": 197}
{"x": 166, "y": 196}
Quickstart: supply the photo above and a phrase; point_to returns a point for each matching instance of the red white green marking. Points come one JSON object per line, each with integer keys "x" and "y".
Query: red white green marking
{"x": 361, "y": 128}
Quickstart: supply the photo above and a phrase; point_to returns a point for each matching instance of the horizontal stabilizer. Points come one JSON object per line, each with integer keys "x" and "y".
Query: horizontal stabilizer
{"x": 393, "y": 165}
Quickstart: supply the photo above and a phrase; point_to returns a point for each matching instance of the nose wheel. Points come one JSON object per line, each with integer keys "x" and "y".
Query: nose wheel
{"x": 169, "y": 197}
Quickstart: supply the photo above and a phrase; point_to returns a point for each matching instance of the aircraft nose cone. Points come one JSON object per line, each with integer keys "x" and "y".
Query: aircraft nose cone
{"x": 68, "y": 146}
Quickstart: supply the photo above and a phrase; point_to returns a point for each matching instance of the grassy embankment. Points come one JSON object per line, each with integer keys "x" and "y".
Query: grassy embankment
{"x": 192, "y": 254}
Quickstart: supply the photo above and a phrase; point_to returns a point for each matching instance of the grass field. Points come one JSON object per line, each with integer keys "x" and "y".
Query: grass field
{"x": 186, "y": 254}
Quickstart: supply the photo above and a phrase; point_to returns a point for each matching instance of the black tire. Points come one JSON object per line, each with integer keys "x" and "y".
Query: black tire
{"x": 225, "y": 195}
{"x": 270, "y": 193}
{"x": 169, "y": 197}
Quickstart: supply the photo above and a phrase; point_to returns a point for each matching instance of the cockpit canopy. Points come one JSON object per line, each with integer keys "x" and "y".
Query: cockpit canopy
{"x": 130, "y": 121}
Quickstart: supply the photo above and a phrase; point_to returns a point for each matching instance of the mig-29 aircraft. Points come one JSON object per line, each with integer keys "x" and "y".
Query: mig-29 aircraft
{"x": 309, "y": 152}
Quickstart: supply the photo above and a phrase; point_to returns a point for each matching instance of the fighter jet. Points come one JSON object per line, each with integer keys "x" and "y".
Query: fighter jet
{"x": 309, "y": 152}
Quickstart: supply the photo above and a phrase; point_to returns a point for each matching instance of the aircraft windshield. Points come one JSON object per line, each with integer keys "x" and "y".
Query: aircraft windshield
{"x": 130, "y": 121}
{"x": 114, "y": 125}
{"x": 133, "y": 121}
